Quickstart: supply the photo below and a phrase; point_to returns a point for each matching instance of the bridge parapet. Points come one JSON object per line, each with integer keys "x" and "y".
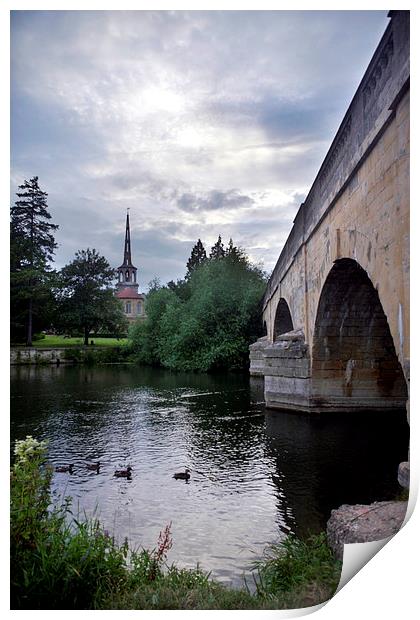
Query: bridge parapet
{"x": 371, "y": 109}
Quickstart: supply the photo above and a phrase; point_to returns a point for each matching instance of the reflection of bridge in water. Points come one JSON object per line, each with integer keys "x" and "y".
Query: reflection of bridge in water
{"x": 336, "y": 308}
{"x": 322, "y": 459}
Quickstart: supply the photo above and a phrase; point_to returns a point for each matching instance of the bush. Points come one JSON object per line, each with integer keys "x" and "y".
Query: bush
{"x": 73, "y": 355}
{"x": 210, "y": 326}
{"x": 36, "y": 337}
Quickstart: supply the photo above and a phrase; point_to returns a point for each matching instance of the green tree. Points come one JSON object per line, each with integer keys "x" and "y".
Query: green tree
{"x": 235, "y": 253}
{"x": 218, "y": 250}
{"x": 198, "y": 256}
{"x": 212, "y": 328}
{"x": 32, "y": 247}
{"x": 181, "y": 288}
{"x": 144, "y": 336}
{"x": 87, "y": 300}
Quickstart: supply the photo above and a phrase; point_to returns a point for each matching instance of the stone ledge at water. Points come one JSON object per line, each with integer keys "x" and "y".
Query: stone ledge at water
{"x": 65, "y": 355}
{"x": 363, "y": 523}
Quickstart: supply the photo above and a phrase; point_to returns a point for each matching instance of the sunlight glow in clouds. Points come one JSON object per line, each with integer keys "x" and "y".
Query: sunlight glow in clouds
{"x": 201, "y": 122}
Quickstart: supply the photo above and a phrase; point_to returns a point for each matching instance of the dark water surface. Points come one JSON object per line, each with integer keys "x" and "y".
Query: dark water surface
{"x": 256, "y": 474}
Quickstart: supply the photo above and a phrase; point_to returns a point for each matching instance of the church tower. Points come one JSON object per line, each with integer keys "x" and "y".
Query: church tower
{"x": 127, "y": 273}
{"x": 133, "y": 302}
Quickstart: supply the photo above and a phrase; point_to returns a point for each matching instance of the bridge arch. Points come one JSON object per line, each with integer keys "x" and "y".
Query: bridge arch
{"x": 283, "y": 319}
{"x": 354, "y": 361}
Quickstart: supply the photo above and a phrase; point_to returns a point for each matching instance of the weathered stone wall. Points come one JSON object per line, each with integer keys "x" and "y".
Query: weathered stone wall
{"x": 65, "y": 355}
{"x": 292, "y": 290}
{"x": 28, "y": 355}
{"x": 256, "y": 359}
{"x": 287, "y": 382}
{"x": 286, "y": 368}
{"x": 353, "y": 356}
{"x": 370, "y": 224}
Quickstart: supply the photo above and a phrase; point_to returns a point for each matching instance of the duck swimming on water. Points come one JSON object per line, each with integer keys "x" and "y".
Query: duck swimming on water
{"x": 94, "y": 466}
{"x": 123, "y": 473}
{"x": 65, "y": 468}
{"x": 182, "y": 475}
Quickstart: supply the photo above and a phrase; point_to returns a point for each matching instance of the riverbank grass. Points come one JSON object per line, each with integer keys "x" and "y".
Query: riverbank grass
{"x": 61, "y": 562}
{"x": 61, "y": 341}
{"x": 297, "y": 574}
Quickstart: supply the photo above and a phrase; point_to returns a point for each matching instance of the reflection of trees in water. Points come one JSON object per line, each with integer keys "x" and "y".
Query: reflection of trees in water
{"x": 326, "y": 460}
{"x": 81, "y": 404}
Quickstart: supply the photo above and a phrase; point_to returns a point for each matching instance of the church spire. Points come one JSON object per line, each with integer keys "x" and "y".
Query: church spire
{"x": 127, "y": 245}
{"x": 127, "y": 273}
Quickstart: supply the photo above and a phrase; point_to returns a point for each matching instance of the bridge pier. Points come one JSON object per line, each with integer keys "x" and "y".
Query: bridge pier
{"x": 295, "y": 380}
{"x": 256, "y": 359}
{"x": 287, "y": 373}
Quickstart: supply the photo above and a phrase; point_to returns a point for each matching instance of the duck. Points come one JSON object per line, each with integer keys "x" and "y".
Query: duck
{"x": 94, "y": 466}
{"x": 123, "y": 473}
{"x": 65, "y": 468}
{"x": 182, "y": 475}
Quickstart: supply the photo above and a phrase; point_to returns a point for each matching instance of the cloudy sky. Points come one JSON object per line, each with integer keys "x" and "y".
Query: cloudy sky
{"x": 200, "y": 122}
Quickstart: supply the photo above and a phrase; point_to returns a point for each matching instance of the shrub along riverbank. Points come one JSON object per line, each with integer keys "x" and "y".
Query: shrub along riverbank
{"x": 205, "y": 322}
{"x": 61, "y": 562}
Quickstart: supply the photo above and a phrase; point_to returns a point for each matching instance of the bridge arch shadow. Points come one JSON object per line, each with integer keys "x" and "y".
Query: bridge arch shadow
{"x": 283, "y": 320}
{"x": 354, "y": 362}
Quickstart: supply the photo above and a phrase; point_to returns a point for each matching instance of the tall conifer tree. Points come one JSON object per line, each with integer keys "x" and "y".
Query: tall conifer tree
{"x": 218, "y": 250}
{"x": 235, "y": 253}
{"x": 198, "y": 256}
{"x": 32, "y": 249}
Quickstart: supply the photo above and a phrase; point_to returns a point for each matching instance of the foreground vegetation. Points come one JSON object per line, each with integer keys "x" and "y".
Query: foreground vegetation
{"x": 61, "y": 562}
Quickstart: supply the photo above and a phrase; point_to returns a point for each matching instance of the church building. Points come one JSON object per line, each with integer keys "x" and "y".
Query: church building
{"x": 127, "y": 286}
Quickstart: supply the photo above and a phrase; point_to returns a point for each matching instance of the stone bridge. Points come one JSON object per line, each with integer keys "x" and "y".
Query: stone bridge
{"x": 336, "y": 308}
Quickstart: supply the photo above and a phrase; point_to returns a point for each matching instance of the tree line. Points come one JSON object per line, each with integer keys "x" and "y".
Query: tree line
{"x": 204, "y": 321}
{"x": 207, "y": 320}
{"x": 78, "y": 298}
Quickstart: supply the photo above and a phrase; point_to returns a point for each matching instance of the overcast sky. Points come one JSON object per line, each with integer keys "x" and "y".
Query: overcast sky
{"x": 201, "y": 122}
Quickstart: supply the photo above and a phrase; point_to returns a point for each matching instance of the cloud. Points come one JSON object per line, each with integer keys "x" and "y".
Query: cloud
{"x": 201, "y": 122}
{"x": 215, "y": 199}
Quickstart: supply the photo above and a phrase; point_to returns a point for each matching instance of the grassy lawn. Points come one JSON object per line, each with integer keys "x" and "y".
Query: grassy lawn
{"x": 60, "y": 341}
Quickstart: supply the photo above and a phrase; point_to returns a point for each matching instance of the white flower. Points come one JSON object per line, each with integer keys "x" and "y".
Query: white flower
{"x": 28, "y": 448}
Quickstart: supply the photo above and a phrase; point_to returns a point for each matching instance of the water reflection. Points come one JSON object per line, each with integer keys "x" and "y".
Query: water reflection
{"x": 323, "y": 461}
{"x": 255, "y": 475}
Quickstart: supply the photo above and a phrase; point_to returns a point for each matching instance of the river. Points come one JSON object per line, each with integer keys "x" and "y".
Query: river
{"x": 256, "y": 475}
